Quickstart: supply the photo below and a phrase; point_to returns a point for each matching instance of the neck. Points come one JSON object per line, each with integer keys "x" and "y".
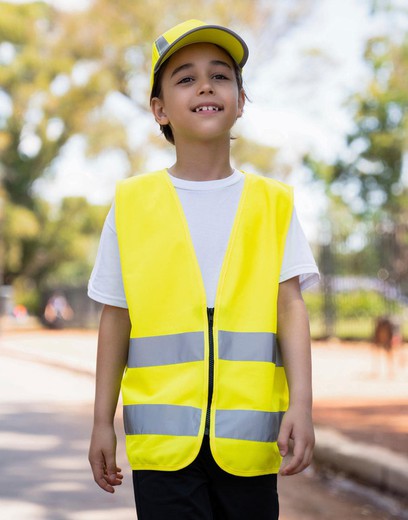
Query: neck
{"x": 202, "y": 161}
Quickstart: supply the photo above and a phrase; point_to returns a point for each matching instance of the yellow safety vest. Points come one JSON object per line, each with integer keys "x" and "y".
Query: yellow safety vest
{"x": 165, "y": 387}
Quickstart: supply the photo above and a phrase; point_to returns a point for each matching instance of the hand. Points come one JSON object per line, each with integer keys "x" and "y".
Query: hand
{"x": 102, "y": 457}
{"x": 296, "y": 426}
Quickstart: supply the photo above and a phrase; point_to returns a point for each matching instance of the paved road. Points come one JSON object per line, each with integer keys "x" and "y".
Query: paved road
{"x": 45, "y": 417}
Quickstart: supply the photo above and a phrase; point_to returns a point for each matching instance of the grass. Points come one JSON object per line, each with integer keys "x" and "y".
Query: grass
{"x": 350, "y": 329}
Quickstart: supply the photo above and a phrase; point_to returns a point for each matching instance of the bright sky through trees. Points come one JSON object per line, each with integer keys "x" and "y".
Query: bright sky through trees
{"x": 297, "y": 104}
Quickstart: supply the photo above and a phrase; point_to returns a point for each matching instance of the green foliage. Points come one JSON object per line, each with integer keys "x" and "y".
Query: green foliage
{"x": 361, "y": 304}
{"x": 259, "y": 157}
{"x": 59, "y": 71}
{"x": 367, "y": 217}
{"x": 356, "y": 312}
{"x": 350, "y": 329}
{"x": 51, "y": 246}
{"x": 379, "y": 141}
{"x": 26, "y": 293}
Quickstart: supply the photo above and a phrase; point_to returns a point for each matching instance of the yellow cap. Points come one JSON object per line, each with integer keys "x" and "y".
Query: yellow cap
{"x": 195, "y": 31}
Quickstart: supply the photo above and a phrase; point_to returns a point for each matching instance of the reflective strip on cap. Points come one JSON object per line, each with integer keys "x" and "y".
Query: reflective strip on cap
{"x": 161, "y": 419}
{"x": 161, "y": 44}
{"x": 166, "y": 350}
{"x": 248, "y": 425}
{"x": 249, "y": 346}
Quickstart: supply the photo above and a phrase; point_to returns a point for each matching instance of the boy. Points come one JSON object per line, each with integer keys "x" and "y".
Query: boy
{"x": 201, "y": 266}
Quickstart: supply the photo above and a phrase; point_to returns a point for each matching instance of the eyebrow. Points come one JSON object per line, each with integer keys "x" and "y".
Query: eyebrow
{"x": 190, "y": 65}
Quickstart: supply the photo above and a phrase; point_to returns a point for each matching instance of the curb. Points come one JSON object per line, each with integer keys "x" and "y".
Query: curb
{"x": 373, "y": 465}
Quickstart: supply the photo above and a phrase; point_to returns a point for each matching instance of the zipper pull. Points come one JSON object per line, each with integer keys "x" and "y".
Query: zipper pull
{"x": 210, "y": 314}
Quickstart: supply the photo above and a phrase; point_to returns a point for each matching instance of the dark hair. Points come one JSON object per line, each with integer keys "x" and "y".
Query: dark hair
{"x": 156, "y": 92}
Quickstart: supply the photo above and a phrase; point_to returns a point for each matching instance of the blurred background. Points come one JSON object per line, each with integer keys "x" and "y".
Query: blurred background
{"x": 328, "y": 88}
{"x": 328, "y": 114}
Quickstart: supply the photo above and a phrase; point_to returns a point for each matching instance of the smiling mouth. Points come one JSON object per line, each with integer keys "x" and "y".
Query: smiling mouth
{"x": 207, "y": 108}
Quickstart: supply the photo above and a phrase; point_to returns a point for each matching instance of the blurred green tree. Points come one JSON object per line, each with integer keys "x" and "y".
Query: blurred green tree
{"x": 51, "y": 246}
{"x": 63, "y": 74}
{"x": 367, "y": 185}
{"x": 379, "y": 142}
{"x": 378, "y": 149}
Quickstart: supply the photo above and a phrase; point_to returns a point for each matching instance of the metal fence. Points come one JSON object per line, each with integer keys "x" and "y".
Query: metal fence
{"x": 359, "y": 286}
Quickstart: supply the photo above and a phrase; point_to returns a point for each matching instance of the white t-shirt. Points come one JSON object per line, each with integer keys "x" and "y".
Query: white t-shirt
{"x": 210, "y": 208}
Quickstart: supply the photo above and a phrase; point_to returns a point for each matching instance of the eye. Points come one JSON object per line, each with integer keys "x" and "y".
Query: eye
{"x": 185, "y": 80}
{"x": 220, "y": 76}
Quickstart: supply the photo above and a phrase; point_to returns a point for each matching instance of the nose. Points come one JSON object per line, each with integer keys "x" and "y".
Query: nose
{"x": 205, "y": 88}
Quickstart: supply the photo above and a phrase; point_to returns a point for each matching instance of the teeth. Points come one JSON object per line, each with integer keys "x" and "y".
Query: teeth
{"x": 206, "y": 109}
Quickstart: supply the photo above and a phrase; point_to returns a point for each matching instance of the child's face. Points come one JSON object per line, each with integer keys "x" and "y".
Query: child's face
{"x": 199, "y": 98}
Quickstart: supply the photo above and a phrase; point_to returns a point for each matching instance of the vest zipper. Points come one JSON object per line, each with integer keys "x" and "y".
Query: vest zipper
{"x": 210, "y": 315}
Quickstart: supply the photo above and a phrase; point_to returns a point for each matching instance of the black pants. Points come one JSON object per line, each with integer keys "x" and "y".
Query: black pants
{"x": 203, "y": 491}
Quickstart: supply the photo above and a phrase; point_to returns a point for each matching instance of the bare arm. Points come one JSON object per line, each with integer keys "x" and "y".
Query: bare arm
{"x": 294, "y": 340}
{"x": 113, "y": 344}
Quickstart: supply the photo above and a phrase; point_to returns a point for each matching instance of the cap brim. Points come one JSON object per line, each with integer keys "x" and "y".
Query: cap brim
{"x": 221, "y": 36}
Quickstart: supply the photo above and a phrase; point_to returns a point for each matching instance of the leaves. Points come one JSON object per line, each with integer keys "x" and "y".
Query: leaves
{"x": 59, "y": 72}
{"x": 366, "y": 185}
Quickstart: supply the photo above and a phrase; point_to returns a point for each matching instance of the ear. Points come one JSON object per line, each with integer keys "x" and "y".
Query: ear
{"x": 157, "y": 108}
{"x": 241, "y": 102}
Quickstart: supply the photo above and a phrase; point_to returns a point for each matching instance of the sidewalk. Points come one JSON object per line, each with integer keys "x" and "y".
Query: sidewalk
{"x": 361, "y": 414}
{"x": 361, "y": 417}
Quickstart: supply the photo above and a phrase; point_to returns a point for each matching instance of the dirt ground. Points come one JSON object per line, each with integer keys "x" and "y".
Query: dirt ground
{"x": 362, "y": 393}
{"x": 383, "y": 424}
{"x": 356, "y": 390}
{"x": 353, "y": 392}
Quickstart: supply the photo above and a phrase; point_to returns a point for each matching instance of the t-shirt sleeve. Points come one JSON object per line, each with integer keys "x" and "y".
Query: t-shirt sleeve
{"x": 106, "y": 285}
{"x": 298, "y": 258}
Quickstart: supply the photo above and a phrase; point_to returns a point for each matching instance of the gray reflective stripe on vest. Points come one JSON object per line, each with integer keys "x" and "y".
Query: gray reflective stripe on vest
{"x": 249, "y": 346}
{"x": 166, "y": 350}
{"x": 161, "y": 419}
{"x": 248, "y": 425}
